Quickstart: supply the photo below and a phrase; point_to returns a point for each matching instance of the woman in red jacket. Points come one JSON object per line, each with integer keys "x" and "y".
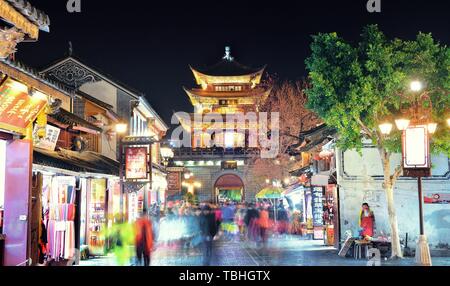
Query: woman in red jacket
{"x": 264, "y": 224}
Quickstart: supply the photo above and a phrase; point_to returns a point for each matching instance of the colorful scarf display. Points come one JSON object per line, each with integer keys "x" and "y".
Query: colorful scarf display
{"x": 61, "y": 226}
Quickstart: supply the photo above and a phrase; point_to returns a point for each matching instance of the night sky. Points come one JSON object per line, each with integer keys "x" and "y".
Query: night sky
{"x": 149, "y": 45}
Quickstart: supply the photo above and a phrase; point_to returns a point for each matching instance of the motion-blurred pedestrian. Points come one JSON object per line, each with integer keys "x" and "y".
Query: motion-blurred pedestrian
{"x": 208, "y": 227}
{"x": 144, "y": 239}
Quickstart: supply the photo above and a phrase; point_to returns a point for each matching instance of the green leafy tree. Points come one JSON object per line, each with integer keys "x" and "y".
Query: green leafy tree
{"x": 355, "y": 87}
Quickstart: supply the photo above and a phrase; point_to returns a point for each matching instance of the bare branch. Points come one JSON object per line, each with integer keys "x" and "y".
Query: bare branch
{"x": 364, "y": 127}
{"x": 398, "y": 172}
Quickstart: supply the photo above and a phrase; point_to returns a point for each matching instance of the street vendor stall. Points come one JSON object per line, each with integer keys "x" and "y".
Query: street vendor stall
{"x": 273, "y": 194}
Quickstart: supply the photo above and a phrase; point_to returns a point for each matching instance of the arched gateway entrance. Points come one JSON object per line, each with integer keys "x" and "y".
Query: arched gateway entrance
{"x": 229, "y": 187}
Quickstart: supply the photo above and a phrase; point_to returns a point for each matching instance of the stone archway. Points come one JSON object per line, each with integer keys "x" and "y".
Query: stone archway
{"x": 229, "y": 186}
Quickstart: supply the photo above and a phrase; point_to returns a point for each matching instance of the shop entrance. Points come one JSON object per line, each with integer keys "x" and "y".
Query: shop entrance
{"x": 229, "y": 188}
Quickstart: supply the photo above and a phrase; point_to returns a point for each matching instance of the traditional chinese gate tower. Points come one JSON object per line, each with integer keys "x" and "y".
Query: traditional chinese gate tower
{"x": 220, "y": 162}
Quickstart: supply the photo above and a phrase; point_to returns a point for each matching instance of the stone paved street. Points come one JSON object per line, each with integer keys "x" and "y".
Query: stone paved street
{"x": 279, "y": 252}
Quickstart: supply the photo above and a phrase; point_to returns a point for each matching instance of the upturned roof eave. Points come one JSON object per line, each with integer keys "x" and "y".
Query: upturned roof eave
{"x": 199, "y": 74}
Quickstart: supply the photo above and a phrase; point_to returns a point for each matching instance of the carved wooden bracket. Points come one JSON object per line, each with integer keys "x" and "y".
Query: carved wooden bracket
{"x": 9, "y": 38}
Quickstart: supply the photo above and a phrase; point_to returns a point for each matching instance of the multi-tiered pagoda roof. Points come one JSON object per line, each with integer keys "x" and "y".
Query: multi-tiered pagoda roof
{"x": 228, "y": 83}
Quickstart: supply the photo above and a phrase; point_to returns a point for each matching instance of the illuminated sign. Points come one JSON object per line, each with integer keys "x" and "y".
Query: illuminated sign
{"x": 17, "y": 109}
{"x": 136, "y": 163}
{"x": 317, "y": 206}
{"x": 416, "y": 148}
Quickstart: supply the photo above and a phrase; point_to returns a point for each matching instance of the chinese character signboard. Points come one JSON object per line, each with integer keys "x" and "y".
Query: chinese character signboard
{"x": 50, "y": 140}
{"x": 17, "y": 109}
{"x": 136, "y": 163}
{"x": 174, "y": 181}
{"x": 317, "y": 210}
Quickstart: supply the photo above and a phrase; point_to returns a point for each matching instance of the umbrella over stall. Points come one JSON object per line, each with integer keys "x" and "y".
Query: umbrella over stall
{"x": 271, "y": 193}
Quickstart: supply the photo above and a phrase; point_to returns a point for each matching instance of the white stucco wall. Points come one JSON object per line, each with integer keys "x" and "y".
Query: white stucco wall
{"x": 103, "y": 91}
{"x": 108, "y": 147}
{"x": 359, "y": 178}
{"x": 107, "y": 93}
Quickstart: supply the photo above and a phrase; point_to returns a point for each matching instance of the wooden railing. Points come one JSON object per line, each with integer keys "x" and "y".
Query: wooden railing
{"x": 215, "y": 152}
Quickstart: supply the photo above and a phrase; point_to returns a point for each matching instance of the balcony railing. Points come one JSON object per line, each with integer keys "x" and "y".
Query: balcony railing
{"x": 215, "y": 152}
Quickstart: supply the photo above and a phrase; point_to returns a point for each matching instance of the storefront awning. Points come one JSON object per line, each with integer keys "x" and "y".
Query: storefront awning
{"x": 69, "y": 119}
{"x": 84, "y": 162}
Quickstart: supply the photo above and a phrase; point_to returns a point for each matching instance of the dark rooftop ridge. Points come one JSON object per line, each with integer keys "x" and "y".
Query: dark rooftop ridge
{"x": 228, "y": 66}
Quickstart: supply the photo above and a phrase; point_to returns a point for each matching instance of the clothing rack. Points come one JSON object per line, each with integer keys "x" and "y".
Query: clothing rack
{"x": 61, "y": 225}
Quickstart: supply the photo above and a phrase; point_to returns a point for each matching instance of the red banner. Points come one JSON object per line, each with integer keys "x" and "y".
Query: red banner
{"x": 136, "y": 163}
{"x": 442, "y": 199}
{"x": 17, "y": 108}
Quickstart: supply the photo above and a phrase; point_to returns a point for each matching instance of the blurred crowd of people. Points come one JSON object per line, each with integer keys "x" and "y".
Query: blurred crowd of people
{"x": 192, "y": 229}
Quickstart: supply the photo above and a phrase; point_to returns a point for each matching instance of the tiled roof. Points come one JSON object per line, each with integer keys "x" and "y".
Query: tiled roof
{"x": 228, "y": 68}
{"x": 66, "y": 117}
{"x": 89, "y": 69}
{"x": 34, "y": 15}
{"x": 36, "y": 75}
{"x": 89, "y": 162}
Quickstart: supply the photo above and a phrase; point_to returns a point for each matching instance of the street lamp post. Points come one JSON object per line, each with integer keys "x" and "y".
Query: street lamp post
{"x": 121, "y": 129}
{"x": 420, "y": 125}
{"x": 166, "y": 154}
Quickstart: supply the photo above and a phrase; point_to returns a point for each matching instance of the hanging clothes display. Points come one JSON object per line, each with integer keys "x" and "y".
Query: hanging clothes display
{"x": 60, "y": 194}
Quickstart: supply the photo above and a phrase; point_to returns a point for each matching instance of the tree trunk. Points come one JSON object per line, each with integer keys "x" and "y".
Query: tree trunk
{"x": 389, "y": 190}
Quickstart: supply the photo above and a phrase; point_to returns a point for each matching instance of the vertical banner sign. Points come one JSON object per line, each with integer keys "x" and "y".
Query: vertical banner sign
{"x": 317, "y": 208}
{"x": 136, "y": 163}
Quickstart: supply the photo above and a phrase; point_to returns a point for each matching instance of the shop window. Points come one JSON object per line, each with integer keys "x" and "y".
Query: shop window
{"x": 92, "y": 142}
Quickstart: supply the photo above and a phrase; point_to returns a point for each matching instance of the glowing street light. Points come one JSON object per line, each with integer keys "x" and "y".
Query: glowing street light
{"x": 416, "y": 86}
{"x": 121, "y": 128}
{"x": 166, "y": 154}
{"x": 402, "y": 124}
{"x": 432, "y": 127}
{"x": 386, "y": 128}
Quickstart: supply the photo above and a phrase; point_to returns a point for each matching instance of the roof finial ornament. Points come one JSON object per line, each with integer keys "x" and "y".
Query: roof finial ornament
{"x": 228, "y": 54}
{"x": 70, "y": 48}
